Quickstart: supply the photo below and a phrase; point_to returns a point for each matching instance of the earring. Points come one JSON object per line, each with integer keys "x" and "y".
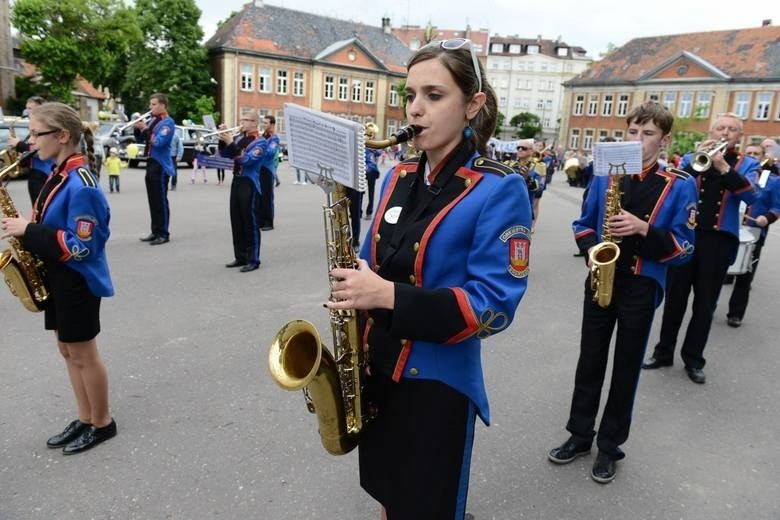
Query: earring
{"x": 468, "y": 132}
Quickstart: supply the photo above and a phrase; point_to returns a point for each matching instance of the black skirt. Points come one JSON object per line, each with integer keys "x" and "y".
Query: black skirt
{"x": 415, "y": 455}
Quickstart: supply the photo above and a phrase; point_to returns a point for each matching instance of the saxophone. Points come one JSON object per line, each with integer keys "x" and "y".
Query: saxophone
{"x": 23, "y": 272}
{"x": 604, "y": 255}
{"x": 297, "y": 359}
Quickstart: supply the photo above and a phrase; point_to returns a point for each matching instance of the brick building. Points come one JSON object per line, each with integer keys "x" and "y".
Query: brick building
{"x": 696, "y": 75}
{"x": 265, "y": 56}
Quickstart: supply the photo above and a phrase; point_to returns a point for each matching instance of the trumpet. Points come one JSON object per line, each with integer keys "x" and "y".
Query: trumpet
{"x": 235, "y": 130}
{"x": 138, "y": 119}
{"x": 702, "y": 160}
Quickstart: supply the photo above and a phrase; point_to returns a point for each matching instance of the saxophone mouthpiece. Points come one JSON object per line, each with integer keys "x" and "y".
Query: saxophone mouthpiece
{"x": 406, "y": 133}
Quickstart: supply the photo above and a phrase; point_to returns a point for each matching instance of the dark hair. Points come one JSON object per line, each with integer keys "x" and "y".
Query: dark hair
{"x": 652, "y": 111}
{"x": 161, "y": 98}
{"x": 63, "y": 117}
{"x": 271, "y": 119}
{"x": 38, "y": 100}
{"x": 460, "y": 65}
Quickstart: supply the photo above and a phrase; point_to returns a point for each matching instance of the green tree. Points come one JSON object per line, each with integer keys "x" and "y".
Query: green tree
{"x": 683, "y": 138}
{"x": 172, "y": 60}
{"x": 66, "y": 38}
{"x": 204, "y": 105}
{"x": 526, "y": 124}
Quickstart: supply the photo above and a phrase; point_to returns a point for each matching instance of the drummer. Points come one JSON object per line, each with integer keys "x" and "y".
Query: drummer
{"x": 760, "y": 215}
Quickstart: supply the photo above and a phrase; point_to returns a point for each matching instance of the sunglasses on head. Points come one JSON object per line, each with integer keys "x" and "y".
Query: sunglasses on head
{"x": 454, "y": 44}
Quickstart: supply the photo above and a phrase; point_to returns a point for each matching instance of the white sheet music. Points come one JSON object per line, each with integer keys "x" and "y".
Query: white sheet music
{"x": 323, "y": 144}
{"x": 617, "y": 158}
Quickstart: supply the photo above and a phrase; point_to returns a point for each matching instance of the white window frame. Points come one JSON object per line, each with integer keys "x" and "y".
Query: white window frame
{"x": 685, "y": 108}
{"x": 593, "y": 104}
{"x": 264, "y": 80}
{"x": 247, "y": 77}
{"x": 281, "y": 81}
{"x": 369, "y": 92}
{"x": 392, "y": 96}
{"x": 587, "y": 140}
{"x": 357, "y": 91}
{"x": 330, "y": 87}
{"x": 703, "y": 104}
{"x": 343, "y": 89}
{"x": 763, "y": 106}
{"x": 298, "y": 83}
{"x": 574, "y": 139}
{"x": 606, "y": 105}
{"x": 622, "y": 108}
{"x": 579, "y": 105}
{"x": 670, "y": 100}
{"x": 742, "y": 104}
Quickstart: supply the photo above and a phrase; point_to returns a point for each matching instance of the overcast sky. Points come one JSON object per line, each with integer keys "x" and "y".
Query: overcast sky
{"x": 591, "y": 24}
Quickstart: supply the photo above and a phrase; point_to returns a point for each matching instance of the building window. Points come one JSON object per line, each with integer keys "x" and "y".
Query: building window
{"x": 393, "y": 97}
{"x": 587, "y": 141}
{"x": 653, "y": 96}
{"x": 343, "y": 89}
{"x": 525, "y": 103}
{"x": 686, "y": 104}
{"x": 546, "y": 122}
{"x": 370, "y": 92}
{"x": 622, "y": 108}
{"x": 579, "y": 105}
{"x": 602, "y": 135}
{"x": 530, "y": 66}
{"x": 703, "y": 100}
{"x": 574, "y": 139}
{"x": 516, "y": 103}
{"x": 763, "y": 103}
{"x": 392, "y": 126}
{"x": 264, "y": 80}
{"x": 514, "y": 48}
{"x": 543, "y": 67}
{"x": 606, "y": 106}
{"x": 563, "y": 51}
{"x": 280, "y": 122}
{"x": 618, "y": 135}
{"x": 593, "y": 104}
{"x": 357, "y": 91}
{"x": 741, "y": 102}
{"x": 247, "y": 73}
{"x": 670, "y": 99}
{"x": 540, "y": 104}
{"x": 297, "y": 83}
{"x": 281, "y": 81}
{"x": 548, "y": 104}
{"x": 330, "y": 86}
{"x": 497, "y": 48}
{"x": 533, "y": 49}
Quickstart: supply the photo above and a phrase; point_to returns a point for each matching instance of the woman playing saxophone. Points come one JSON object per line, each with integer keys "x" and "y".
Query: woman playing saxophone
{"x": 444, "y": 265}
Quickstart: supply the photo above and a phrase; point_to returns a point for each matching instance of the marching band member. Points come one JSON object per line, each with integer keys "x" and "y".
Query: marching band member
{"x": 443, "y": 266}
{"x": 245, "y": 191}
{"x": 38, "y": 170}
{"x": 656, "y": 226}
{"x": 268, "y": 173}
{"x": 159, "y": 167}
{"x": 761, "y": 214}
{"x": 727, "y": 181}
{"x": 68, "y": 231}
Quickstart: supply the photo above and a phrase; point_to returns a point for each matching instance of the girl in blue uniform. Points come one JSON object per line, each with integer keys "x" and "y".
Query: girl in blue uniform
{"x": 444, "y": 265}
{"x": 68, "y": 232}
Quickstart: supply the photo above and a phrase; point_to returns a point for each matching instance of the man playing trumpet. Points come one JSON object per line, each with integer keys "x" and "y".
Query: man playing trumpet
{"x": 727, "y": 181}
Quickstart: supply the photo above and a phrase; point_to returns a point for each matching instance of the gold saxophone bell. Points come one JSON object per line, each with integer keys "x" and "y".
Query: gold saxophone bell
{"x": 602, "y": 271}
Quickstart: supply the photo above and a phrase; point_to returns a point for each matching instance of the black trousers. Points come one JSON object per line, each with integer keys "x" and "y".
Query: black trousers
{"x": 35, "y": 181}
{"x": 371, "y": 178}
{"x": 243, "y": 220}
{"x": 355, "y": 212}
{"x": 266, "y": 206}
{"x": 157, "y": 193}
{"x": 741, "y": 291}
{"x": 632, "y": 309}
{"x": 704, "y": 274}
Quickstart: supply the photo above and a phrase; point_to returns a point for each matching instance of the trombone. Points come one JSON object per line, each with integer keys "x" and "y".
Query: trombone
{"x": 702, "y": 160}
{"x": 138, "y": 119}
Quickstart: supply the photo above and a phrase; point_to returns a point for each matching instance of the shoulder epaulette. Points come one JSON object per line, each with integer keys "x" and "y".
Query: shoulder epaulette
{"x": 86, "y": 177}
{"x": 487, "y": 165}
{"x": 411, "y": 160}
{"x": 680, "y": 174}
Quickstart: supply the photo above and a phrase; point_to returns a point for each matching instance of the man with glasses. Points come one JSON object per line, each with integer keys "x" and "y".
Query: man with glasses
{"x": 728, "y": 181}
{"x": 244, "y": 194}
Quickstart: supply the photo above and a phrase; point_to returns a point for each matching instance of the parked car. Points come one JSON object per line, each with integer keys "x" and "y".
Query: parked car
{"x": 108, "y": 136}
{"x": 189, "y": 136}
{"x": 21, "y": 129}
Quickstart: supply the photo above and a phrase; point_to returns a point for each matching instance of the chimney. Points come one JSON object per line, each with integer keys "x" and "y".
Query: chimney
{"x": 258, "y": 3}
{"x": 386, "y": 25}
{"x": 766, "y": 22}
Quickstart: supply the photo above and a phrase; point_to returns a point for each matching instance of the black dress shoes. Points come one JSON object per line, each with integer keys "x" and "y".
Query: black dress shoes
{"x": 71, "y": 431}
{"x": 235, "y": 263}
{"x": 568, "y": 451}
{"x": 580, "y": 253}
{"x": 651, "y": 363}
{"x": 159, "y": 240}
{"x": 148, "y": 238}
{"x": 696, "y": 375}
{"x": 266, "y": 228}
{"x": 249, "y": 267}
{"x": 733, "y": 321}
{"x": 604, "y": 469}
{"x": 90, "y": 437}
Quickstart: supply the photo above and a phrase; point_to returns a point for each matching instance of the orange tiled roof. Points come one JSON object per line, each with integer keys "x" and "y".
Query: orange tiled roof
{"x": 744, "y": 54}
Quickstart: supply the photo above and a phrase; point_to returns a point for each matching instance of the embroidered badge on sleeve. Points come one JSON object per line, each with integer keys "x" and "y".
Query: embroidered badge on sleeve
{"x": 85, "y": 224}
{"x": 518, "y": 239}
{"x": 691, "y": 216}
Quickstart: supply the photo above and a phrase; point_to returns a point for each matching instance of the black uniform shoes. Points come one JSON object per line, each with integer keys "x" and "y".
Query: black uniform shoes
{"x": 71, "y": 431}
{"x": 90, "y": 437}
{"x": 568, "y": 451}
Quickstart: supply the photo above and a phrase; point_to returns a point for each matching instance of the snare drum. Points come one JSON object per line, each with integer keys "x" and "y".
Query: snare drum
{"x": 748, "y": 236}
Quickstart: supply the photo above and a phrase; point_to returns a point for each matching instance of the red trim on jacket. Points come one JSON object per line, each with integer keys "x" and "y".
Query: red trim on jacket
{"x": 401, "y": 363}
{"x": 381, "y": 207}
{"x": 472, "y": 324}
{"x": 61, "y": 241}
